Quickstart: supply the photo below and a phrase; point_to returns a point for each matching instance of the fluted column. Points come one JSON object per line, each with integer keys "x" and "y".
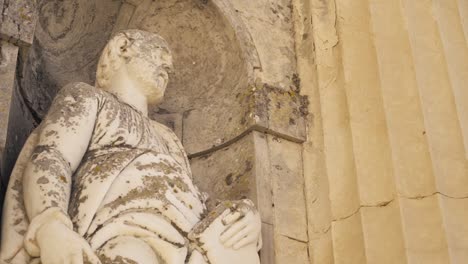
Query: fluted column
{"x": 390, "y": 119}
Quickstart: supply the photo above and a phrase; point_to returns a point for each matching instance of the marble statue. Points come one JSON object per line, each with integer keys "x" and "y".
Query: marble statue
{"x": 100, "y": 182}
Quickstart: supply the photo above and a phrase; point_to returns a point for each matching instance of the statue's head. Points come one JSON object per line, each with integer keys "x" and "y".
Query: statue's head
{"x": 145, "y": 57}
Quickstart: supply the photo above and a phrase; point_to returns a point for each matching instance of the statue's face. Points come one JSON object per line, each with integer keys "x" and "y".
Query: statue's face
{"x": 150, "y": 70}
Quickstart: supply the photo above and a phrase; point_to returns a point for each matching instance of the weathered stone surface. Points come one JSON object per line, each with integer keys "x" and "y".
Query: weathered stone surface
{"x": 271, "y": 27}
{"x": 211, "y": 74}
{"x": 69, "y": 38}
{"x": 17, "y": 21}
{"x": 8, "y": 56}
{"x": 209, "y": 71}
{"x": 264, "y": 108}
{"x": 266, "y": 102}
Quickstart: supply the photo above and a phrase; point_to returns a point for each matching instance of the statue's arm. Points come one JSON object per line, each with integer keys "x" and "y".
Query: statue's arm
{"x": 64, "y": 137}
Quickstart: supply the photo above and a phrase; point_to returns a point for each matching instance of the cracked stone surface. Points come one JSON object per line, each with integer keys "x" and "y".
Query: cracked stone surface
{"x": 17, "y": 21}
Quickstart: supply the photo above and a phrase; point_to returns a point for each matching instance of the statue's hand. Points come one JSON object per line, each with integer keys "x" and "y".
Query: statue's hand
{"x": 243, "y": 226}
{"x": 59, "y": 244}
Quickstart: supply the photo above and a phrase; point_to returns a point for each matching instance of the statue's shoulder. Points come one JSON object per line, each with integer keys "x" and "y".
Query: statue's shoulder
{"x": 79, "y": 89}
{"x": 160, "y": 127}
{"x": 164, "y": 130}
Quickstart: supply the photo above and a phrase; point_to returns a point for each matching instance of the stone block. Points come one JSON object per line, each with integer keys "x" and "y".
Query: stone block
{"x": 383, "y": 234}
{"x": 423, "y": 229}
{"x": 290, "y": 251}
{"x": 348, "y": 240}
{"x": 18, "y": 21}
{"x": 288, "y": 188}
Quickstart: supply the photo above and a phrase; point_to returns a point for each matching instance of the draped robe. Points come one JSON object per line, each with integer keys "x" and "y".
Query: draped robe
{"x": 134, "y": 179}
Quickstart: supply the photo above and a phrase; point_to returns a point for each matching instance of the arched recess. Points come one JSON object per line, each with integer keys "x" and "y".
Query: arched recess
{"x": 209, "y": 98}
{"x": 214, "y": 59}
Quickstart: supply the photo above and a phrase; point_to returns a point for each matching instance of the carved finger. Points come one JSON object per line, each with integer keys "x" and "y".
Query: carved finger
{"x": 232, "y": 230}
{"x": 249, "y": 239}
{"x": 237, "y": 237}
{"x": 231, "y": 218}
{"x": 249, "y": 202}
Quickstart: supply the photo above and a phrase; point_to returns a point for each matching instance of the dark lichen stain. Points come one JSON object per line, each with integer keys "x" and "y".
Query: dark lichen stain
{"x": 229, "y": 179}
{"x": 278, "y": 167}
{"x": 42, "y": 180}
{"x": 116, "y": 260}
{"x": 296, "y": 81}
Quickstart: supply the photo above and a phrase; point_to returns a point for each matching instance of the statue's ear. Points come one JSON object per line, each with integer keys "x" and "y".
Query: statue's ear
{"x": 120, "y": 44}
{"x": 163, "y": 79}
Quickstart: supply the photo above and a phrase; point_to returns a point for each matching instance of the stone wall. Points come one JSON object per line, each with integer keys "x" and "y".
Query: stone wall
{"x": 386, "y": 159}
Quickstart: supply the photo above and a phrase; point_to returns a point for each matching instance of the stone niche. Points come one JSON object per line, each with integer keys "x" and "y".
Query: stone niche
{"x": 214, "y": 60}
{"x": 238, "y": 128}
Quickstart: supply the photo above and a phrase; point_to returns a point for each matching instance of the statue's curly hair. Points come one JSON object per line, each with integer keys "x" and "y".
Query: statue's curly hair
{"x": 135, "y": 42}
